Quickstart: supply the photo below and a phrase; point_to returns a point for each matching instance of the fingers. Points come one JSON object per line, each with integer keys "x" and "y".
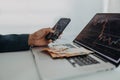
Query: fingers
{"x": 42, "y": 33}
{"x": 49, "y": 41}
{"x": 49, "y": 30}
{"x": 38, "y": 38}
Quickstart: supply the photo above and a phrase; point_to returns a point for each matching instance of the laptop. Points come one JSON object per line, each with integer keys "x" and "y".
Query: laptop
{"x": 101, "y": 36}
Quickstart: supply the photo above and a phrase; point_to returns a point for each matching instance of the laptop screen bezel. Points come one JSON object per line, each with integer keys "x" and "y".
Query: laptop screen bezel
{"x": 116, "y": 63}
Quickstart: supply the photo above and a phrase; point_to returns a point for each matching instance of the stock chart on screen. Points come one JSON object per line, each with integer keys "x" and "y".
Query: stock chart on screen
{"x": 103, "y": 34}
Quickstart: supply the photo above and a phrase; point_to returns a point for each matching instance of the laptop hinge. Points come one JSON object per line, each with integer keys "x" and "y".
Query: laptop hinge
{"x": 102, "y": 57}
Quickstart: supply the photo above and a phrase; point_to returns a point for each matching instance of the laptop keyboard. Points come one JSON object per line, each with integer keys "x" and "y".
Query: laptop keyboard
{"x": 82, "y": 60}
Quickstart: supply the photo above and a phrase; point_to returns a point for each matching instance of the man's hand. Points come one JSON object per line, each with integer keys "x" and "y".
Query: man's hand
{"x": 38, "y": 38}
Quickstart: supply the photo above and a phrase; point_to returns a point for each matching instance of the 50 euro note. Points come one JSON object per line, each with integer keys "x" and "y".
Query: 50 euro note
{"x": 61, "y": 51}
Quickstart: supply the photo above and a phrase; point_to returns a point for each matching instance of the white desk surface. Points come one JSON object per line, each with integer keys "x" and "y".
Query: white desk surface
{"x": 21, "y": 66}
{"x": 17, "y": 66}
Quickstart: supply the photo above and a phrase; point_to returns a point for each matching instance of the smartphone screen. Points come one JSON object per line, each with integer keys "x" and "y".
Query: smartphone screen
{"x": 61, "y": 24}
{"x": 58, "y": 28}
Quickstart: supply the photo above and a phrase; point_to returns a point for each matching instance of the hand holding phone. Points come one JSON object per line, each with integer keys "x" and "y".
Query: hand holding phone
{"x": 58, "y": 28}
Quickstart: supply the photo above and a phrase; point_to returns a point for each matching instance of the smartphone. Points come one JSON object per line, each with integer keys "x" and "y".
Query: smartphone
{"x": 58, "y": 28}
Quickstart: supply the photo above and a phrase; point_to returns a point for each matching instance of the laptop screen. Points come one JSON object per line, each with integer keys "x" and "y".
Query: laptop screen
{"x": 102, "y": 34}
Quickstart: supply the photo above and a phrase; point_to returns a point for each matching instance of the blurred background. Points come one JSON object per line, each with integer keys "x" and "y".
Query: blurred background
{"x": 27, "y": 16}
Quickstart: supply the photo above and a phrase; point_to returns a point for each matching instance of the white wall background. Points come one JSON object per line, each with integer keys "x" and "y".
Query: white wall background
{"x": 112, "y": 6}
{"x": 27, "y": 16}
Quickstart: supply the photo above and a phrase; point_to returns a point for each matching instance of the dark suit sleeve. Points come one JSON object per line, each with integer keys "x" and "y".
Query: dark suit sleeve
{"x": 13, "y": 42}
